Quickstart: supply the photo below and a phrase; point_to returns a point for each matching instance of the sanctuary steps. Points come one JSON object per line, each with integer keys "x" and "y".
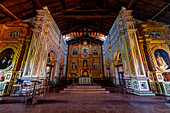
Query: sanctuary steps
{"x": 85, "y": 89}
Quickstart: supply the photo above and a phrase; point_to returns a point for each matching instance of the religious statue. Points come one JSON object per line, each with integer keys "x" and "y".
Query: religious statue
{"x": 84, "y": 63}
{"x": 74, "y": 65}
{"x": 161, "y": 63}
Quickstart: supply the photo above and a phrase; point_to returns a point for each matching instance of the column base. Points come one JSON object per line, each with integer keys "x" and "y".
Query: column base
{"x": 144, "y": 93}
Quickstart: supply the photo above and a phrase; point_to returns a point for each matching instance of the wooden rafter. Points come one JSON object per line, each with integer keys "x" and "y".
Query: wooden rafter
{"x": 37, "y": 4}
{"x": 70, "y": 23}
{"x": 63, "y": 4}
{"x": 85, "y": 16}
{"x": 60, "y": 12}
{"x": 19, "y": 4}
{"x": 148, "y": 5}
{"x": 131, "y": 3}
{"x": 9, "y": 13}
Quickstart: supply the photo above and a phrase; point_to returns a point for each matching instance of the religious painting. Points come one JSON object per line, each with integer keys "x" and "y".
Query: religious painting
{"x": 74, "y": 51}
{"x": 85, "y": 51}
{"x": 95, "y": 51}
{"x": 162, "y": 59}
{"x": 6, "y": 57}
{"x": 74, "y": 65}
{"x": 155, "y": 34}
{"x": 96, "y": 66}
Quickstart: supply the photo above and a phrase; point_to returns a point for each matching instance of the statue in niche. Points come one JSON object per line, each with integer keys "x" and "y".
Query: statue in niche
{"x": 95, "y": 52}
{"x": 74, "y": 52}
{"x": 74, "y": 65}
{"x": 84, "y": 63}
{"x": 161, "y": 60}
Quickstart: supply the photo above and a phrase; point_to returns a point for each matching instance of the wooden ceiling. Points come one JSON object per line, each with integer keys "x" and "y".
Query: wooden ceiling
{"x": 76, "y": 15}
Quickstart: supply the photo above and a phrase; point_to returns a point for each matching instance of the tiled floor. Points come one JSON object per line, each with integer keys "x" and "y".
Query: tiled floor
{"x": 91, "y": 103}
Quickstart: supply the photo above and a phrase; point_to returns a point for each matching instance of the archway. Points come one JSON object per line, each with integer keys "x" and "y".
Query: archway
{"x": 119, "y": 72}
{"x": 50, "y": 66}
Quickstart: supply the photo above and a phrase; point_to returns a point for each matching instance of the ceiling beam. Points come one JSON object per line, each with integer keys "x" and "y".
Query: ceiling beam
{"x": 37, "y": 4}
{"x": 85, "y": 16}
{"x": 98, "y": 10}
{"x": 18, "y": 5}
{"x": 147, "y": 5}
{"x": 9, "y": 13}
{"x": 120, "y": 2}
{"x": 72, "y": 29}
{"x": 60, "y": 12}
{"x": 70, "y": 23}
{"x": 131, "y": 3}
{"x": 161, "y": 11}
{"x": 63, "y": 4}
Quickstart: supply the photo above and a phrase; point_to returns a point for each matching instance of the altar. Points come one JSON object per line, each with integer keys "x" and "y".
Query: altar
{"x": 85, "y": 80}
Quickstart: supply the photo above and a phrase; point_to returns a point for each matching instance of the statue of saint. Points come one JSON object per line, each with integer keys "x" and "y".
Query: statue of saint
{"x": 74, "y": 65}
{"x": 84, "y": 63}
{"x": 161, "y": 62}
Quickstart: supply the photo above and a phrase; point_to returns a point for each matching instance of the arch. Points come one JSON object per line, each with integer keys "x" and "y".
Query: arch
{"x": 50, "y": 65}
{"x": 117, "y": 57}
{"x": 52, "y": 50}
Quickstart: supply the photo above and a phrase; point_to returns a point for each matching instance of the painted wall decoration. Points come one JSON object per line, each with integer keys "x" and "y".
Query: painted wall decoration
{"x": 6, "y": 57}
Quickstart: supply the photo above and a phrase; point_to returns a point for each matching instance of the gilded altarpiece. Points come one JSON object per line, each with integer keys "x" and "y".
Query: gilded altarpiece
{"x": 85, "y": 59}
{"x": 154, "y": 44}
{"x": 14, "y": 44}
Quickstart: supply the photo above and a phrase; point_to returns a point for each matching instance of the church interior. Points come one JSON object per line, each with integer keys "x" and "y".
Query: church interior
{"x": 85, "y": 56}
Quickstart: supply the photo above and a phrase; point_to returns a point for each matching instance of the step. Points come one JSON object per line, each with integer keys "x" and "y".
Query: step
{"x": 70, "y": 92}
{"x": 85, "y": 89}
